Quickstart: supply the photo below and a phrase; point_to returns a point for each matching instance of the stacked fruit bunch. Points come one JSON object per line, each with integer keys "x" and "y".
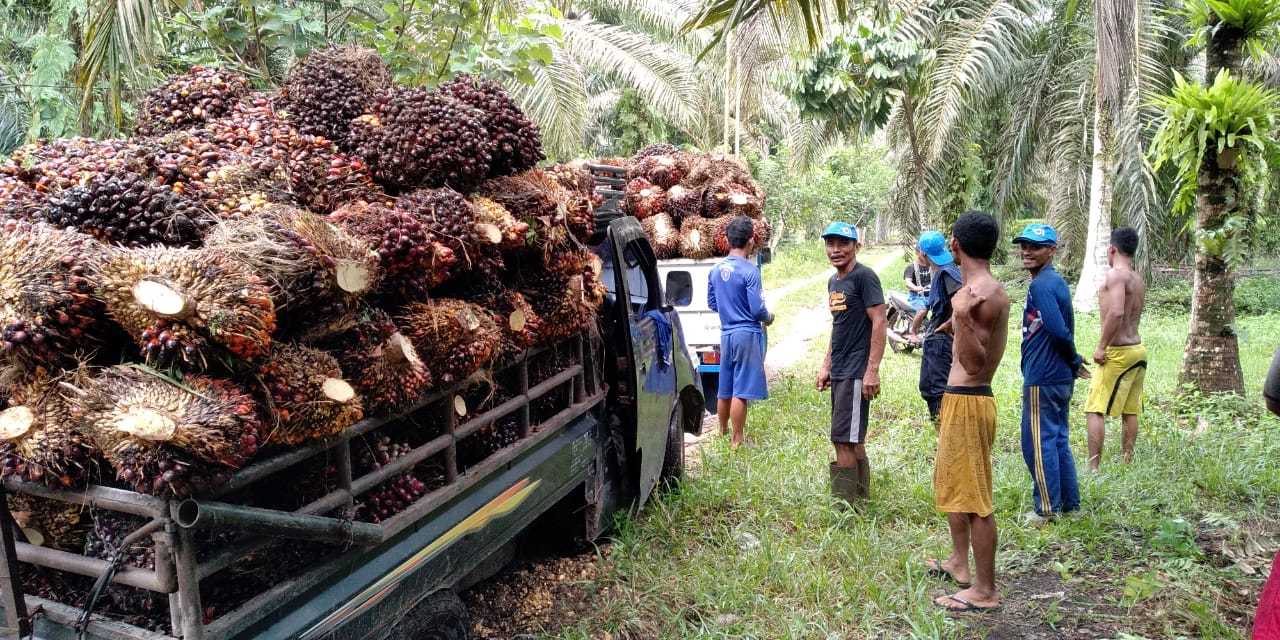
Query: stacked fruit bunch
{"x": 201, "y": 94}
{"x": 306, "y": 395}
{"x": 695, "y": 194}
{"x": 381, "y": 362}
{"x": 331, "y": 87}
{"x": 394, "y": 495}
{"x": 456, "y": 337}
{"x": 39, "y": 439}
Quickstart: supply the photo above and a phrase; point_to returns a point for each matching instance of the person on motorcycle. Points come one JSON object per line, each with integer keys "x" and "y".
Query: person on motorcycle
{"x": 916, "y": 276}
{"x": 935, "y": 358}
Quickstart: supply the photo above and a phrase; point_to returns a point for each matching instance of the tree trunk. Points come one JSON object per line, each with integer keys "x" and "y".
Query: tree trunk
{"x": 1212, "y": 360}
{"x": 1101, "y": 184}
{"x": 921, "y": 220}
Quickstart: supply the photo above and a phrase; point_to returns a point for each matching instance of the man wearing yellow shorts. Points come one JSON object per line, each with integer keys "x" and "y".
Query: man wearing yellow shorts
{"x": 1117, "y": 386}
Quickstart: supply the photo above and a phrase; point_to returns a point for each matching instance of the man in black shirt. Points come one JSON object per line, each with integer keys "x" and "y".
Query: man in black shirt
{"x": 917, "y": 276}
{"x": 935, "y": 357}
{"x": 852, "y": 366}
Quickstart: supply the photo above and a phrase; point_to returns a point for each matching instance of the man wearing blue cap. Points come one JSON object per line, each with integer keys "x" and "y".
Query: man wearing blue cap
{"x": 1050, "y": 366}
{"x": 852, "y": 366}
{"x": 935, "y": 360}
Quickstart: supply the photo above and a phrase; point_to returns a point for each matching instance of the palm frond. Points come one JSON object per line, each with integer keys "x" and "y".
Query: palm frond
{"x": 659, "y": 74}
{"x": 557, "y": 101}
{"x": 118, "y": 43}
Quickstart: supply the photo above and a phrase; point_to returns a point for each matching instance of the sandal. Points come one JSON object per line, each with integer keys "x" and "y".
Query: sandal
{"x": 938, "y": 571}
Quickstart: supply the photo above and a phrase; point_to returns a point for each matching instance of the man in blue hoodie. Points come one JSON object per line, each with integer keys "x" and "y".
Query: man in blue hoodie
{"x": 935, "y": 357}
{"x": 1050, "y": 366}
{"x": 735, "y": 292}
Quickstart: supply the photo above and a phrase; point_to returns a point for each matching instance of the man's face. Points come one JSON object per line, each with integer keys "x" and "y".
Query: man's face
{"x": 841, "y": 251}
{"x": 1036, "y": 256}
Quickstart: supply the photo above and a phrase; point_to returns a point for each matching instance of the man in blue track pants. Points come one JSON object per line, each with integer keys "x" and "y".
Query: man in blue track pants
{"x": 735, "y": 292}
{"x": 1050, "y": 366}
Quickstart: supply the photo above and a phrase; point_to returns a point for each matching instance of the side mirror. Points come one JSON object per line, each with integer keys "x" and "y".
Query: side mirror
{"x": 766, "y": 255}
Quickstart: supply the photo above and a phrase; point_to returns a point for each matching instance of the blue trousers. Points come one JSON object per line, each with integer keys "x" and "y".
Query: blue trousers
{"x": 1046, "y": 450}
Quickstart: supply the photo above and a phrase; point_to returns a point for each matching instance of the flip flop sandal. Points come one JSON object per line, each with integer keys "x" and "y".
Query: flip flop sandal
{"x": 936, "y": 570}
{"x": 968, "y": 607}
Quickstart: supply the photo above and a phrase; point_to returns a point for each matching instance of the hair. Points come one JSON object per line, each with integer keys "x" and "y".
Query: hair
{"x": 977, "y": 234}
{"x": 1125, "y": 240}
{"x": 739, "y": 232}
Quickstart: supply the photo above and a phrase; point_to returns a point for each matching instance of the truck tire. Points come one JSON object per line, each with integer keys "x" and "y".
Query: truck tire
{"x": 439, "y": 616}
{"x": 673, "y": 457}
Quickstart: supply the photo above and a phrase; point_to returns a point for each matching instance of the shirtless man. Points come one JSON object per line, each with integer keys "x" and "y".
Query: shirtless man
{"x": 967, "y": 427}
{"x": 1117, "y": 387}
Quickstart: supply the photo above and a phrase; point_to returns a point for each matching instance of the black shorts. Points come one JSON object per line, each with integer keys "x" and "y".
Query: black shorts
{"x": 849, "y": 409}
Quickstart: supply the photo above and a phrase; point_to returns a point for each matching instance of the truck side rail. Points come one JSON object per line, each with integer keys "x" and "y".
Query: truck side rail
{"x": 173, "y": 522}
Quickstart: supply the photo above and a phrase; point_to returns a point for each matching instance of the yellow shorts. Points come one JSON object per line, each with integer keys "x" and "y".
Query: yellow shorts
{"x": 962, "y": 470}
{"x": 1117, "y": 385}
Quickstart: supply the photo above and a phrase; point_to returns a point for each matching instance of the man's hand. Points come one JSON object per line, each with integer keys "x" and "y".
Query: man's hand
{"x": 964, "y": 307}
{"x": 1100, "y": 356}
{"x": 824, "y": 379}
{"x": 871, "y": 384}
{"x": 768, "y": 320}
{"x": 944, "y": 327}
{"x": 1083, "y": 373}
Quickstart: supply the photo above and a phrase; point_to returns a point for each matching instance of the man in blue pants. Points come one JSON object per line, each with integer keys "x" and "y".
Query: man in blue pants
{"x": 1050, "y": 366}
{"x": 935, "y": 356}
{"x": 735, "y": 292}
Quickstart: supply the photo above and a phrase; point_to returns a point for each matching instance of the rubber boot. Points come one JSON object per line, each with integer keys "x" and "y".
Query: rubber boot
{"x": 844, "y": 485}
{"x": 863, "y": 488}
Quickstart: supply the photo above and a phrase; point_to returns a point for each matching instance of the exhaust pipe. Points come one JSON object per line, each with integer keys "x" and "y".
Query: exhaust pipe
{"x": 192, "y": 514}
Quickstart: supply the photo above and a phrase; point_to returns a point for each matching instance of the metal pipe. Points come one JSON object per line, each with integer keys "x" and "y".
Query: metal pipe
{"x": 15, "y": 605}
{"x": 191, "y": 611}
{"x": 191, "y": 514}
{"x": 228, "y": 556}
{"x": 546, "y": 386}
{"x": 491, "y": 416}
{"x": 92, "y": 567}
{"x": 95, "y": 496}
{"x": 399, "y": 465}
{"x": 344, "y": 477}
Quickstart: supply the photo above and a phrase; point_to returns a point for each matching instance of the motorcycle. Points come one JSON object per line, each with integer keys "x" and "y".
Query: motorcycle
{"x": 898, "y": 317}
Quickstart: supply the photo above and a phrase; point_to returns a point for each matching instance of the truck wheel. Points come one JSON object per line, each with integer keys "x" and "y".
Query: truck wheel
{"x": 439, "y": 616}
{"x": 673, "y": 457}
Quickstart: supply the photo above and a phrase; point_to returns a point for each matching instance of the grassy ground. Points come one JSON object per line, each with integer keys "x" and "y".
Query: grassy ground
{"x": 1175, "y": 545}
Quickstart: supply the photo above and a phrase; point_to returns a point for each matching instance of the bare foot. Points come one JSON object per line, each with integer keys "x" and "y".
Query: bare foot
{"x": 969, "y": 600}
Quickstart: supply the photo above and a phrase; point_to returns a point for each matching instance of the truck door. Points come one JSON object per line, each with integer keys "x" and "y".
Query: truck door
{"x": 651, "y": 343}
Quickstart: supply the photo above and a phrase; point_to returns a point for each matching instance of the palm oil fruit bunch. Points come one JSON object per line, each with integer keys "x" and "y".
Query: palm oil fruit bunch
{"x": 49, "y": 523}
{"x": 564, "y": 296}
{"x": 456, "y": 337}
{"x": 581, "y": 205}
{"x": 321, "y": 178}
{"x": 187, "y": 158}
{"x": 684, "y": 202}
{"x": 760, "y": 232}
{"x": 310, "y": 399}
{"x": 40, "y": 440}
{"x": 656, "y": 149}
{"x": 176, "y": 303}
{"x": 18, "y": 200}
{"x": 536, "y": 198}
{"x": 330, "y": 87}
{"x": 517, "y": 145}
{"x": 732, "y": 199}
{"x": 512, "y": 232}
{"x": 706, "y": 169}
{"x": 644, "y": 199}
{"x": 169, "y": 438}
{"x": 54, "y": 165}
{"x": 126, "y": 208}
{"x": 422, "y": 138}
{"x": 663, "y": 234}
{"x": 512, "y": 313}
{"x": 407, "y": 250}
{"x": 389, "y": 498}
{"x": 199, "y": 95}
{"x": 666, "y": 171}
{"x": 698, "y": 237}
{"x": 381, "y": 362}
{"x": 317, "y": 271}
{"x": 48, "y": 311}
{"x": 452, "y": 222}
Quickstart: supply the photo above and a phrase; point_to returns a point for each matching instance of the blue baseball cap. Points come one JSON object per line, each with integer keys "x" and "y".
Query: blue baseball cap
{"x": 841, "y": 230}
{"x": 1038, "y": 233}
{"x": 935, "y": 246}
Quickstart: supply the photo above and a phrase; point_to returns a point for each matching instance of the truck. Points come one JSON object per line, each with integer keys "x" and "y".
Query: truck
{"x": 684, "y": 280}
{"x": 601, "y": 420}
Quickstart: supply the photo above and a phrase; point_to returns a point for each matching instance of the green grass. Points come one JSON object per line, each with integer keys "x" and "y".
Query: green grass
{"x": 792, "y": 261}
{"x": 750, "y": 545}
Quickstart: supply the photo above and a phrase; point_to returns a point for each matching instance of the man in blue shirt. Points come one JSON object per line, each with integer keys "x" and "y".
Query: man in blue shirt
{"x": 734, "y": 291}
{"x": 1050, "y": 366}
{"x": 935, "y": 357}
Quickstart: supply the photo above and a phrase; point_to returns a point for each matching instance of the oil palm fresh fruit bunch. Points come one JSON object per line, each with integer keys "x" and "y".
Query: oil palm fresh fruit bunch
{"x": 309, "y": 397}
{"x": 128, "y": 209}
{"x": 698, "y": 237}
{"x": 330, "y": 87}
{"x": 167, "y": 437}
{"x": 456, "y": 337}
{"x": 48, "y": 311}
{"x": 40, "y": 439}
{"x": 726, "y": 198}
{"x": 381, "y": 362}
{"x": 189, "y": 99}
{"x": 417, "y": 137}
{"x": 183, "y": 307}
{"x": 663, "y": 234}
{"x": 408, "y": 251}
{"x": 656, "y": 149}
{"x": 644, "y": 199}
{"x": 517, "y": 145}
{"x": 49, "y": 166}
{"x": 452, "y": 222}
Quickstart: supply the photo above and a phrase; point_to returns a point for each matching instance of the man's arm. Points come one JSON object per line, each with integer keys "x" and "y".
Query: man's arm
{"x": 755, "y": 299}
{"x": 918, "y": 320}
{"x": 711, "y": 290}
{"x": 1113, "y": 302}
{"x": 871, "y": 379}
{"x": 1055, "y": 324}
{"x": 1271, "y": 388}
{"x": 824, "y": 372}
